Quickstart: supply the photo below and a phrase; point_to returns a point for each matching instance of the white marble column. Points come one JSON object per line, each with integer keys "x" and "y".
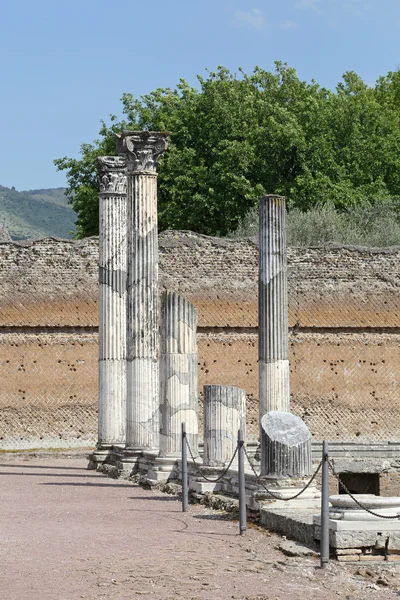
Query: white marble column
{"x": 178, "y": 374}
{"x": 112, "y": 302}
{"x": 224, "y": 415}
{"x": 141, "y": 150}
{"x": 273, "y": 307}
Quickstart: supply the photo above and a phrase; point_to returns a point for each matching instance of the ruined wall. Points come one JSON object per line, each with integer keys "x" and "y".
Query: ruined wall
{"x": 54, "y": 282}
{"x": 48, "y": 396}
{"x": 49, "y": 282}
{"x": 344, "y": 323}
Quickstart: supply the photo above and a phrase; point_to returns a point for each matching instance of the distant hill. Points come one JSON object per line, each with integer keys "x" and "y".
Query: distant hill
{"x": 36, "y": 213}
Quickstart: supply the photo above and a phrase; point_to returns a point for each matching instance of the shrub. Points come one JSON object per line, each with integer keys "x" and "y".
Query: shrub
{"x": 367, "y": 224}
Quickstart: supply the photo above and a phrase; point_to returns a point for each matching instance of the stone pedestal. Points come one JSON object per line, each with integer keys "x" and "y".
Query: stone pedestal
{"x": 283, "y": 489}
{"x": 273, "y": 309}
{"x": 141, "y": 150}
{"x": 357, "y": 535}
{"x": 112, "y": 305}
{"x": 178, "y": 382}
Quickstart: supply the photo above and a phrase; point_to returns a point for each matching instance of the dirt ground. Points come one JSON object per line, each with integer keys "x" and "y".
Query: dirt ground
{"x": 69, "y": 533}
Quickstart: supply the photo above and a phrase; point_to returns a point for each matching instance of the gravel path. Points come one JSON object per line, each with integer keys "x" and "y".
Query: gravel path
{"x": 69, "y": 533}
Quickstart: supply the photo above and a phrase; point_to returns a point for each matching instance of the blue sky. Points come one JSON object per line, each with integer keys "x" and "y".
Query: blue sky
{"x": 65, "y": 64}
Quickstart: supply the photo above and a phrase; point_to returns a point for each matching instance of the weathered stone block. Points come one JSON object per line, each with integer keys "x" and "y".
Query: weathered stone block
{"x": 348, "y": 551}
{"x": 348, "y": 557}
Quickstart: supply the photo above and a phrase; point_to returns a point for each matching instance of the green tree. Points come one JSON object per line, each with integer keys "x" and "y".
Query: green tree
{"x": 237, "y": 137}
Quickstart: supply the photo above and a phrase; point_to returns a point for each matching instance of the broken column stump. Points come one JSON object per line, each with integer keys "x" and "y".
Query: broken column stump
{"x": 286, "y": 445}
{"x": 224, "y": 415}
{"x": 178, "y": 382}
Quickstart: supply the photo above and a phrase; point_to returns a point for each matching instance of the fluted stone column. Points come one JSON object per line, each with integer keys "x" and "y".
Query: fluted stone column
{"x": 224, "y": 415}
{"x": 273, "y": 363}
{"x": 285, "y": 439}
{"x": 287, "y": 445}
{"x": 178, "y": 374}
{"x": 286, "y": 465}
{"x": 142, "y": 150}
{"x": 273, "y": 307}
{"x": 112, "y": 301}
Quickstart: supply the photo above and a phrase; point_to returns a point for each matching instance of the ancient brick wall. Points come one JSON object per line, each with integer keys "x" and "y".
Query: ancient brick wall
{"x": 48, "y": 391}
{"x": 54, "y": 282}
{"x": 344, "y": 323}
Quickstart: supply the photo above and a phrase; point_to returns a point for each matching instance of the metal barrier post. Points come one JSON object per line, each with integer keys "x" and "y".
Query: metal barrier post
{"x": 242, "y": 485}
{"x": 185, "y": 491}
{"x": 324, "y": 548}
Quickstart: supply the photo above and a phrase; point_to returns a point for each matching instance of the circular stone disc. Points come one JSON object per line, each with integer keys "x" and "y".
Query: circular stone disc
{"x": 285, "y": 428}
{"x": 367, "y": 500}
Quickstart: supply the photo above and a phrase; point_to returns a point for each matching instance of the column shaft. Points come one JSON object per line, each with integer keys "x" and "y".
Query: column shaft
{"x": 224, "y": 415}
{"x": 178, "y": 374}
{"x": 112, "y": 301}
{"x": 142, "y": 150}
{"x": 273, "y": 307}
{"x": 142, "y": 359}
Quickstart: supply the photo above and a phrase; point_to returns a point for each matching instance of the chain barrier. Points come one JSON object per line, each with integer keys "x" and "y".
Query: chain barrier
{"x": 199, "y": 470}
{"x": 359, "y": 504}
{"x": 273, "y": 494}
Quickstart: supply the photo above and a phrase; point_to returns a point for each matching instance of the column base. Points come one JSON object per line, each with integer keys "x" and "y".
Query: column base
{"x": 102, "y": 454}
{"x": 165, "y": 468}
{"x": 200, "y": 485}
{"x": 134, "y": 460}
{"x": 285, "y": 488}
{"x": 126, "y": 461}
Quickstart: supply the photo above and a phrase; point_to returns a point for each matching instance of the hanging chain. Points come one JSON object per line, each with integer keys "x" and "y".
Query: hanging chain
{"x": 342, "y": 485}
{"x": 273, "y": 494}
{"x": 200, "y": 472}
{"x": 279, "y": 496}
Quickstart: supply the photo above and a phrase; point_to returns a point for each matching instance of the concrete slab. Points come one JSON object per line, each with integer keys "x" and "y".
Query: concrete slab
{"x": 381, "y": 525}
{"x": 297, "y": 524}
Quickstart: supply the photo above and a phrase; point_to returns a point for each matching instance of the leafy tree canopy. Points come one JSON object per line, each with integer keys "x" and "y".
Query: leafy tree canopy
{"x": 236, "y": 137}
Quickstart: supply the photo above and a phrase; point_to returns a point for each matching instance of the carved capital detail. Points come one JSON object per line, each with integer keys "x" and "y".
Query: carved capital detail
{"x": 142, "y": 149}
{"x": 112, "y": 174}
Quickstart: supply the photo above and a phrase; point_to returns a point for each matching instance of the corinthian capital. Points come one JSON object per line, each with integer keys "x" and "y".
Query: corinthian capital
{"x": 142, "y": 149}
{"x": 112, "y": 174}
